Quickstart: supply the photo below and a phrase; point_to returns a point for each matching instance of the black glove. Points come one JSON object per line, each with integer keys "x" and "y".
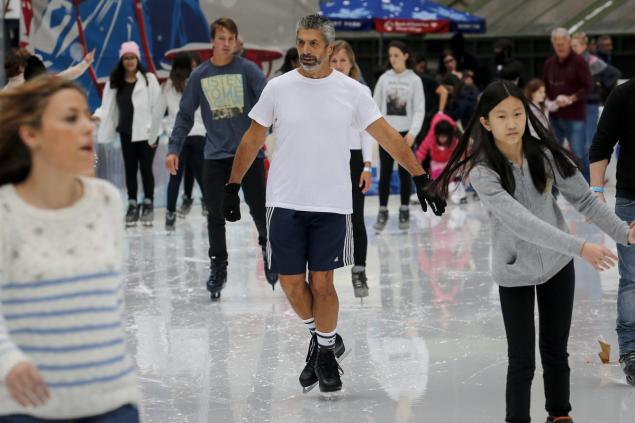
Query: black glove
{"x": 437, "y": 204}
{"x": 231, "y": 203}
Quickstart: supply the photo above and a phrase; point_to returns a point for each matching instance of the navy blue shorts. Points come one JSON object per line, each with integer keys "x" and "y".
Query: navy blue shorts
{"x": 323, "y": 241}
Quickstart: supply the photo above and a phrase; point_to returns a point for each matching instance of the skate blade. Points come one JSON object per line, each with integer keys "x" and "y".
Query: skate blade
{"x": 307, "y": 389}
{"x": 362, "y": 293}
{"x": 343, "y": 356}
{"x": 331, "y": 396}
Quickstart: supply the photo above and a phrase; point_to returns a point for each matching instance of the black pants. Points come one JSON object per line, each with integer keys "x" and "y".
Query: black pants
{"x": 555, "y": 306}
{"x": 215, "y": 176}
{"x": 360, "y": 240}
{"x": 188, "y": 181}
{"x": 191, "y": 158}
{"x": 138, "y": 155}
{"x": 386, "y": 163}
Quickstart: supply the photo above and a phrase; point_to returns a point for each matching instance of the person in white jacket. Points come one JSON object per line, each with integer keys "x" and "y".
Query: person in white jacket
{"x": 343, "y": 60}
{"x": 399, "y": 95}
{"x": 193, "y": 148}
{"x": 128, "y": 102}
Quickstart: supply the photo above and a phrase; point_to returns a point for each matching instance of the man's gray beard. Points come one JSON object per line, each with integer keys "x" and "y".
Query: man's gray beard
{"x": 311, "y": 68}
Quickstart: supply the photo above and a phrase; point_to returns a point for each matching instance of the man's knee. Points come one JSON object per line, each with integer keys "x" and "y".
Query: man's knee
{"x": 293, "y": 286}
{"x": 322, "y": 284}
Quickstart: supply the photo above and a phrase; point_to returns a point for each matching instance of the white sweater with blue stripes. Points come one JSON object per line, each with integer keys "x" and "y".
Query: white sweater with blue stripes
{"x": 61, "y": 300}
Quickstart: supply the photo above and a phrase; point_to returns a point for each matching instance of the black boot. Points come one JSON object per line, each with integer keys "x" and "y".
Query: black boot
{"x": 360, "y": 285}
{"x": 627, "y": 361}
{"x": 186, "y": 206}
{"x": 382, "y": 218}
{"x": 147, "y": 212}
{"x": 328, "y": 370}
{"x": 270, "y": 275}
{"x": 132, "y": 215}
{"x": 170, "y": 221}
{"x": 308, "y": 378}
{"x": 217, "y": 278}
{"x": 404, "y": 218}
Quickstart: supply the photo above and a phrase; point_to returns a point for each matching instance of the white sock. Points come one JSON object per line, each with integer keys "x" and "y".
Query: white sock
{"x": 310, "y": 324}
{"x": 326, "y": 339}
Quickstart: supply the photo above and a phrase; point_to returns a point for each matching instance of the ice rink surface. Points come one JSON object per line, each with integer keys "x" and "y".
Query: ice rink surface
{"x": 427, "y": 345}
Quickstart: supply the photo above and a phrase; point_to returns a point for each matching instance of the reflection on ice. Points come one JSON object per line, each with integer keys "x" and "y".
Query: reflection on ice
{"x": 427, "y": 344}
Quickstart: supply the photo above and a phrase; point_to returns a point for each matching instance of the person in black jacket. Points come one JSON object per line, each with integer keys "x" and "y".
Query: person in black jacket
{"x": 616, "y": 126}
{"x": 505, "y": 66}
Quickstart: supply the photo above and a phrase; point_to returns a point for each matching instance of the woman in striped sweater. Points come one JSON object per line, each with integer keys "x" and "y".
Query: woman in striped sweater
{"x": 62, "y": 346}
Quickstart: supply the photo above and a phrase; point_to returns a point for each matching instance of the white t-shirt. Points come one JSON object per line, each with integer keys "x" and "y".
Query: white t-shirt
{"x": 312, "y": 119}
{"x": 361, "y": 140}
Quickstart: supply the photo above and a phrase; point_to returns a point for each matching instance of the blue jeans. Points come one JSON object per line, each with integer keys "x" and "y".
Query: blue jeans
{"x": 574, "y": 131}
{"x": 625, "y": 209}
{"x": 126, "y": 414}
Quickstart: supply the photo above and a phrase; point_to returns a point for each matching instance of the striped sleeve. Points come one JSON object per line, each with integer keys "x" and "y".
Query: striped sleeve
{"x": 10, "y": 354}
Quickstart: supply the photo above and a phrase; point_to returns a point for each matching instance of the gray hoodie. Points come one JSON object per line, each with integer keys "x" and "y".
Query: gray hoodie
{"x": 529, "y": 236}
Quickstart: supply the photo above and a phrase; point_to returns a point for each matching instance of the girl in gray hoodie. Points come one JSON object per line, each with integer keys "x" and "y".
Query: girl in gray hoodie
{"x": 514, "y": 173}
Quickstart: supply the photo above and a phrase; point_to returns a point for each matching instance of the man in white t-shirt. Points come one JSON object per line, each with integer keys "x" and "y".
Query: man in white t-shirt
{"x": 309, "y": 200}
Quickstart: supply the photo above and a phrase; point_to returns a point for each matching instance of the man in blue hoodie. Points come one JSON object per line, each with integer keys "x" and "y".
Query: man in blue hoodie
{"x": 225, "y": 88}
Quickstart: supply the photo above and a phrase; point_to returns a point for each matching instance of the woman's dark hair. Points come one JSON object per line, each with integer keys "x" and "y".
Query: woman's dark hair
{"x": 444, "y": 128}
{"x": 290, "y": 58}
{"x": 196, "y": 58}
{"x": 477, "y": 146}
{"x": 531, "y": 87}
{"x": 118, "y": 76}
{"x": 181, "y": 70}
{"x": 403, "y": 47}
{"x": 24, "y": 105}
{"x": 34, "y": 67}
{"x": 15, "y": 62}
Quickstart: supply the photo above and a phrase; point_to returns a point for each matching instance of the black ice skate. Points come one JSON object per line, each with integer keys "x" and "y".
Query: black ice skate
{"x": 147, "y": 213}
{"x": 360, "y": 286}
{"x": 170, "y": 221}
{"x": 270, "y": 275}
{"x": 132, "y": 215}
{"x": 627, "y": 361}
{"x": 308, "y": 378}
{"x": 404, "y": 219}
{"x": 186, "y": 206}
{"x": 382, "y": 218}
{"x": 204, "y": 211}
{"x": 328, "y": 371}
{"x": 217, "y": 278}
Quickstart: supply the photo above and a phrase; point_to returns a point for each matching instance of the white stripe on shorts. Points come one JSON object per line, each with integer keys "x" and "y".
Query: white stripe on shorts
{"x": 269, "y": 215}
{"x": 348, "y": 253}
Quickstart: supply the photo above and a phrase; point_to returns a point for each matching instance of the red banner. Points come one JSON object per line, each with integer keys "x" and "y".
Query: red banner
{"x": 412, "y": 26}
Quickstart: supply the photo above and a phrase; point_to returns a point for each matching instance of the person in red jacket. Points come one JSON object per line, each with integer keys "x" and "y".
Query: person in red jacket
{"x": 438, "y": 146}
{"x": 568, "y": 82}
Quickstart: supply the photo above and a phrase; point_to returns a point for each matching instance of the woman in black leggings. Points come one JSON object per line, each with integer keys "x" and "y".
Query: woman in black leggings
{"x": 127, "y": 108}
{"x": 192, "y": 153}
{"x": 399, "y": 95}
{"x": 343, "y": 60}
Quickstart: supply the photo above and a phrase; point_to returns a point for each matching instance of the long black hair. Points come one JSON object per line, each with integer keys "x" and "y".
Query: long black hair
{"x": 118, "y": 76}
{"x": 181, "y": 70}
{"x": 291, "y": 58}
{"x": 405, "y": 49}
{"x": 477, "y": 146}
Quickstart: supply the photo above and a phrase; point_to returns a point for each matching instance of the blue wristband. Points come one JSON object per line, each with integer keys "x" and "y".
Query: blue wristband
{"x": 597, "y": 189}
